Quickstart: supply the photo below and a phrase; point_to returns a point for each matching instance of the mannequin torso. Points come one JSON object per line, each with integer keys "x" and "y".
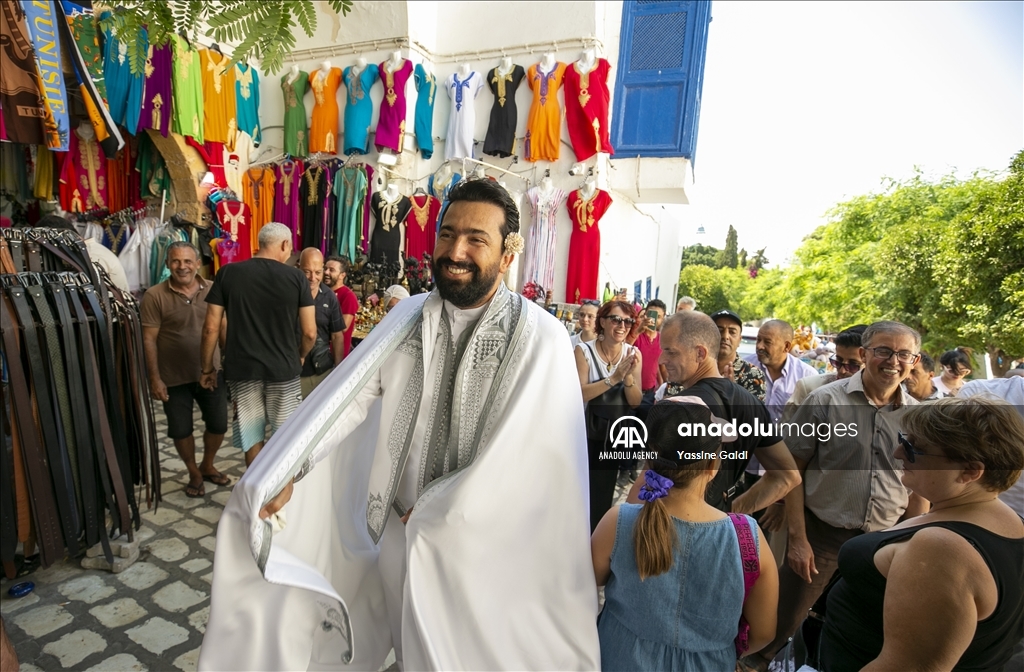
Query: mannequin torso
{"x": 546, "y": 186}
{"x": 394, "y": 64}
{"x": 587, "y": 62}
{"x": 391, "y": 194}
{"x": 547, "y": 63}
{"x": 293, "y": 74}
{"x": 464, "y": 71}
{"x": 358, "y": 66}
{"x": 505, "y": 67}
{"x": 588, "y": 190}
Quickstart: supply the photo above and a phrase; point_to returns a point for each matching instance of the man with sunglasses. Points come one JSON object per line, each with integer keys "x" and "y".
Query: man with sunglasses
{"x": 846, "y": 361}
{"x": 851, "y": 481}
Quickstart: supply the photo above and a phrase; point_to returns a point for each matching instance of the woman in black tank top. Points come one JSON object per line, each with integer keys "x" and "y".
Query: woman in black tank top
{"x": 945, "y": 590}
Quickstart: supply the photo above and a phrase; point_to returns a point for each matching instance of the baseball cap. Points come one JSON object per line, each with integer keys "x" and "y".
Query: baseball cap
{"x": 728, "y": 313}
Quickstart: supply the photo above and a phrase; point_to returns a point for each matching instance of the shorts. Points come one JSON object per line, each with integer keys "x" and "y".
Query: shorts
{"x": 257, "y": 402}
{"x": 212, "y": 403}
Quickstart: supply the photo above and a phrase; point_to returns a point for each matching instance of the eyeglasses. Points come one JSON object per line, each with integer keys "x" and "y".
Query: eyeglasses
{"x": 851, "y": 365}
{"x": 913, "y": 453}
{"x": 590, "y": 302}
{"x": 904, "y": 356}
{"x": 628, "y": 321}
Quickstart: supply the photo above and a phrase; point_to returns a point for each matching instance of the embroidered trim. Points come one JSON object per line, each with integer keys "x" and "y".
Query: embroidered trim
{"x": 422, "y": 213}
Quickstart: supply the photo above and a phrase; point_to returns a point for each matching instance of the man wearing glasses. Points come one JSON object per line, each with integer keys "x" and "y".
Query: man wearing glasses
{"x": 851, "y": 481}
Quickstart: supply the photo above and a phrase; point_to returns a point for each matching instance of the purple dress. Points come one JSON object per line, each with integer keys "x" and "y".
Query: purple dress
{"x": 156, "y": 99}
{"x": 286, "y": 199}
{"x": 391, "y": 124}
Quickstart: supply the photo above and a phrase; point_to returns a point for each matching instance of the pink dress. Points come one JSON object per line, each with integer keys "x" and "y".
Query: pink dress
{"x": 391, "y": 124}
{"x": 286, "y": 199}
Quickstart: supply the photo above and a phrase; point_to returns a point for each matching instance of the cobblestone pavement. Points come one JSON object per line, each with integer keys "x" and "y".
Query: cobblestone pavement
{"x": 152, "y": 615}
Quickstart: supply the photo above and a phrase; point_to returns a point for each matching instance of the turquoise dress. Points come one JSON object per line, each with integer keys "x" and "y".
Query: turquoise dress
{"x": 124, "y": 90}
{"x": 358, "y": 108}
{"x": 426, "y": 89}
{"x": 247, "y": 101}
{"x": 685, "y": 619}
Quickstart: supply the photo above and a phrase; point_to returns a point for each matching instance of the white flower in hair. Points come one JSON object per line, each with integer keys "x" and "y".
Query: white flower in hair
{"x": 514, "y": 243}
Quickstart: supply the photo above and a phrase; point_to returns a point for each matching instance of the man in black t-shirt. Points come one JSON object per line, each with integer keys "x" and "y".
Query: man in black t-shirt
{"x": 271, "y": 328}
{"x": 330, "y": 328}
{"x": 689, "y": 353}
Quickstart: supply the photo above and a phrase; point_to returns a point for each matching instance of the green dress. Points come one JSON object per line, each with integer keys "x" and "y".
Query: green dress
{"x": 188, "y": 91}
{"x": 350, "y": 186}
{"x": 296, "y": 134}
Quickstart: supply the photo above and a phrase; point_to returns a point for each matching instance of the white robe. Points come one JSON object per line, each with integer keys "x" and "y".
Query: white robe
{"x": 496, "y": 570}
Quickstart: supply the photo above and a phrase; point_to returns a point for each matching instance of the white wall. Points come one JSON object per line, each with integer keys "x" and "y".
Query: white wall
{"x": 635, "y": 245}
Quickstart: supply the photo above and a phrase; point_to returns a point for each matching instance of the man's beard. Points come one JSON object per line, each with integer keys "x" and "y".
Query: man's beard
{"x": 464, "y": 294}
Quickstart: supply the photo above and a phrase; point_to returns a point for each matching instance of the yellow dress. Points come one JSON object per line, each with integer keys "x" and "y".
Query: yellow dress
{"x": 258, "y": 194}
{"x": 544, "y": 128}
{"x": 219, "y": 118}
{"x": 323, "y": 131}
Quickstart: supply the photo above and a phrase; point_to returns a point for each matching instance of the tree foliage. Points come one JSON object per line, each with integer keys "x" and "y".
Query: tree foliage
{"x": 702, "y": 255}
{"x": 262, "y": 29}
{"x": 730, "y": 254}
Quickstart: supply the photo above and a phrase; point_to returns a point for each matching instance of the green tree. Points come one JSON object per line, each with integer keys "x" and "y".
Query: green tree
{"x": 730, "y": 254}
{"x": 702, "y": 255}
{"x": 705, "y": 285}
{"x": 741, "y": 258}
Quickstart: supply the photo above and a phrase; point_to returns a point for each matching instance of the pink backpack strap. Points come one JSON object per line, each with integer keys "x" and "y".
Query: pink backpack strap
{"x": 751, "y": 570}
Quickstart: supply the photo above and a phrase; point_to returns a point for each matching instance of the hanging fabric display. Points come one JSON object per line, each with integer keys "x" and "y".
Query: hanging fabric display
{"x": 124, "y": 90}
{"x": 386, "y": 239}
{"x": 501, "y": 128}
{"x": 323, "y": 131}
{"x": 544, "y": 127}
{"x": 584, "y": 244}
{"x": 220, "y": 120}
{"x": 391, "y": 122}
{"x": 426, "y": 88}
{"x": 188, "y": 90}
{"x": 43, "y": 182}
{"x": 154, "y": 178}
{"x": 85, "y": 173}
{"x": 421, "y": 226}
{"x": 286, "y": 200}
{"x": 86, "y": 37}
{"x": 350, "y": 185}
{"x": 258, "y": 194}
{"x": 296, "y": 134}
{"x": 42, "y": 22}
{"x": 358, "y": 107}
{"x": 21, "y": 102}
{"x": 157, "y": 94}
{"x": 586, "y": 109}
{"x": 236, "y": 161}
{"x": 313, "y": 190}
{"x": 235, "y": 219}
{"x": 540, "y": 244}
{"x": 462, "y": 89}
{"x": 247, "y": 101}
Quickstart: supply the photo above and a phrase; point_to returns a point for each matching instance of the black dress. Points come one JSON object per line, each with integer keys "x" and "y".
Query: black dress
{"x": 313, "y": 204}
{"x": 386, "y": 239}
{"x": 501, "y": 129}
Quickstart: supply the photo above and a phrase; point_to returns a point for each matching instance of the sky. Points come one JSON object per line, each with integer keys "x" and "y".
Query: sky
{"x": 806, "y": 104}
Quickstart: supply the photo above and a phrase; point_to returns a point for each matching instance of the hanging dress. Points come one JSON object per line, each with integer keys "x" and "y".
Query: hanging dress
{"x": 462, "y": 121}
{"x": 313, "y": 190}
{"x": 501, "y": 128}
{"x": 426, "y": 88}
{"x": 358, "y": 108}
{"x": 350, "y": 185}
{"x": 540, "y": 243}
{"x": 296, "y": 133}
{"x": 187, "y": 112}
{"x": 85, "y": 174}
{"x": 391, "y": 122}
{"x": 286, "y": 200}
{"x": 247, "y": 101}
{"x": 157, "y": 94}
{"x": 421, "y": 226}
{"x": 124, "y": 90}
{"x": 584, "y": 244}
{"x": 586, "y": 110}
{"x": 323, "y": 131}
{"x": 386, "y": 241}
{"x": 236, "y": 225}
{"x": 220, "y": 119}
{"x": 544, "y": 127}
{"x": 258, "y": 194}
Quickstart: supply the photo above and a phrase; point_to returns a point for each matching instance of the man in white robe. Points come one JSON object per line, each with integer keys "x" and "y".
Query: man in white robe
{"x": 447, "y": 514}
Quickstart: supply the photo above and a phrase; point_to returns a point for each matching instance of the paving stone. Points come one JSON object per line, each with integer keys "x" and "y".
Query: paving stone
{"x": 187, "y": 662}
{"x": 42, "y": 620}
{"x": 122, "y": 662}
{"x": 210, "y": 514}
{"x": 176, "y": 496}
{"x": 209, "y": 543}
{"x": 196, "y": 565}
{"x": 165, "y": 515}
{"x": 75, "y": 647}
{"x": 221, "y": 497}
{"x": 198, "y": 619}
{"x": 12, "y": 604}
{"x": 58, "y": 573}
{"x": 208, "y": 578}
{"x": 142, "y": 575}
{"x": 169, "y": 550}
{"x": 118, "y": 613}
{"x": 177, "y": 597}
{"x": 88, "y": 589}
{"x": 157, "y": 635}
{"x": 28, "y": 667}
{"x": 144, "y": 533}
{"x": 192, "y": 529}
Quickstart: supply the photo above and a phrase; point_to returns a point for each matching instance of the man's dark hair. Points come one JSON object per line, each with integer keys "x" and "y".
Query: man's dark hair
{"x": 487, "y": 191}
{"x": 342, "y": 261}
{"x": 850, "y": 337}
{"x": 657, "y": 303}
{"x": 927, "y": 363}
{"x": 55, "y": 222}
{"x": 956, "y": 359}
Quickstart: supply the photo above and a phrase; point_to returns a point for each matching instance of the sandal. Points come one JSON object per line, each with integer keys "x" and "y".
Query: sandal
{"x": 217, "y": 479}
{"x": 194, "y": 491}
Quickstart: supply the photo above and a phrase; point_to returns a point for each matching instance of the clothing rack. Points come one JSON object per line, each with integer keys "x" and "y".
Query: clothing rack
{"x": 493, "y": 167}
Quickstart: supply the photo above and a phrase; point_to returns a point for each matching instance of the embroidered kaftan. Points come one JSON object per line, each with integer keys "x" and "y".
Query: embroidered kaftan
{"x": 391, "y": 122}
{"x": 313, "y": 191}
{"x": 350, "y": 186}
{"x": 540, "y": 242}
{"x": 501, "y": 128}
{"x": 586, "y": 110}
{"x": 236, "y": 224}
{"x": 462, "y": 121}
{"x": 188, "y": 91}
{"x": 247, "y": 101}
{"x": 287, "y": 209}
{"x": 421, "y": 226}
{"x": 157, "y": 93}
{"x": 386, "y": 239}
{"x": 358, "y": 108}
{"x": 296, "y": 132}
{"x": 426, "y": 88}
{"x": 220, "y": 121}
{"x": 124, "y": 90}
{"x": 544, "y": 127}
{"x": 584, "y": 244}
{"x": 258, "y": 194}
{"x": 85, "y": 174}
{"x": 323, "y": 131}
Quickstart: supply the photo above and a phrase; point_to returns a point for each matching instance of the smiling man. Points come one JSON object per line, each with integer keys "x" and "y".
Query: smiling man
{"x": 441, "y": 445}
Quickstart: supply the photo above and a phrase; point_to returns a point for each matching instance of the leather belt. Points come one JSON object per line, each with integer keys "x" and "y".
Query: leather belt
{"x": 8, "y": 504}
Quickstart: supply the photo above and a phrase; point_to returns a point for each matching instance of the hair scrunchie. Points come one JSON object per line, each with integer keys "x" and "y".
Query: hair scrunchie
{"x": 655, "y": 487}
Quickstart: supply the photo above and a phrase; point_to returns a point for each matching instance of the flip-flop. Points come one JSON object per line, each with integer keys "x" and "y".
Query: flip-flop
{"x": 217, "y": 479}
{"x": 196, "y": 491}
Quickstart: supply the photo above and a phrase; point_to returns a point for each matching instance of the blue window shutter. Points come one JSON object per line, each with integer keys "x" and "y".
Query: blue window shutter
{"x": 659, "y": 78}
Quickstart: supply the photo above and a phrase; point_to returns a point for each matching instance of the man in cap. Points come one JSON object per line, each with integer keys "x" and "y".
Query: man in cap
{"x": 743, "y": 373}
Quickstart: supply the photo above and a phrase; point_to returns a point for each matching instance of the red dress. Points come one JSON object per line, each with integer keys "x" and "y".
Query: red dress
{"x": 236, "y": 223}
{"x": 586, "y": 110}
{"x": 584, "y": 244}
{"x": 421, "y": 226}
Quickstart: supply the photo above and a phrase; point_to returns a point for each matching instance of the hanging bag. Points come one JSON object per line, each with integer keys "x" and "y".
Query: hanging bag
{"x": 751, "y": 570}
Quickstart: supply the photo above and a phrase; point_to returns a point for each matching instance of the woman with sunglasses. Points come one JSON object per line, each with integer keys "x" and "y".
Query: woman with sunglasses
{"x": 944, "y": 590}
{"x": 956, "y": 365}
{"x": 609, "y": 371}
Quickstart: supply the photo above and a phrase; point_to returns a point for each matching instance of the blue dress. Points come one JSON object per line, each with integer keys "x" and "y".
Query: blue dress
{"x": 247, "y": 101}
{"x": 684, "y": 619}
{"x": 124, "y": 90}
{"x": 426, "y": 89}
{"x": 358, "y": 108}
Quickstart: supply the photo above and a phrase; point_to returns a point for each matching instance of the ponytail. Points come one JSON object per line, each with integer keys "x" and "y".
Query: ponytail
{"x": 654, "y": 540}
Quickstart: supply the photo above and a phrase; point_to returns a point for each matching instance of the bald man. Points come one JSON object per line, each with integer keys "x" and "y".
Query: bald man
{"x": 781, "y": 369}
{"x": 330, "y": 327}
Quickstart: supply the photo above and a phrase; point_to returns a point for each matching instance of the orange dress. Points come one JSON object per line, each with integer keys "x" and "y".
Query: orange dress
{"x": 258, "y": 194}
{"x": 219, "y": 117}
{"x": 544, "y": 128}
{"x": 323, "y": 132}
